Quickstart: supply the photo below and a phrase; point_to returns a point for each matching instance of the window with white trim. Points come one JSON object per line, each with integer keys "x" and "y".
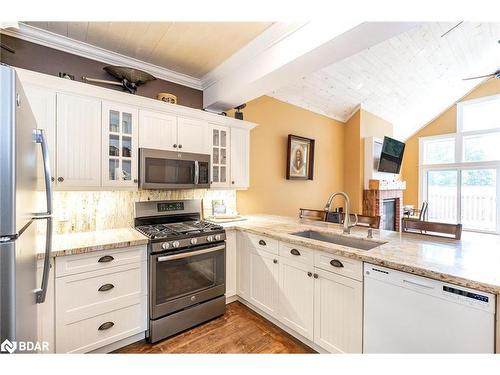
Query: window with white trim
{"x": 460, "y": 172}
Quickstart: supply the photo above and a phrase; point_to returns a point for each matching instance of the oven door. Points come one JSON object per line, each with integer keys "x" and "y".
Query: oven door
{"x": 186, "y": 278}
{"x": 160, "y": 169}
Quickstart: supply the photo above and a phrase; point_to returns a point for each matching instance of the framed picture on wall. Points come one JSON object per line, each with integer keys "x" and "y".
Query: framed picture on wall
{"x": 300, "y": 158}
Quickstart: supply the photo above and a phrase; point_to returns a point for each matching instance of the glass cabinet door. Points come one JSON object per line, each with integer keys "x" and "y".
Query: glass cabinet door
{"x": 120, "y": 140}
{"x": 220, "y": 156}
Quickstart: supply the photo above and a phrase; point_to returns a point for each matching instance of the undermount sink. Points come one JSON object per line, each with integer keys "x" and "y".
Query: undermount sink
{"x": 356, "y": 243}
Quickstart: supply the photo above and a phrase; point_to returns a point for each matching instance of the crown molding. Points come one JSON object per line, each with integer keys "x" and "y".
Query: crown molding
{"x": 75, "y": 47}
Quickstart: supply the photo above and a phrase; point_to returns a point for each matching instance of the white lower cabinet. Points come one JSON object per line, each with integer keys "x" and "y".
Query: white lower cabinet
{"x": 101, "y": 302}
{"x": 264, "y": 286}
{"x": 296, "y": 299}
{"x": 338, "y": 306}
{"x": 324, "y": 307}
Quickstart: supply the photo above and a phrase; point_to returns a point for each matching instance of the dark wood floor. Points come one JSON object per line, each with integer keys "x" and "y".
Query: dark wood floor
{"x": 239, "y": 330}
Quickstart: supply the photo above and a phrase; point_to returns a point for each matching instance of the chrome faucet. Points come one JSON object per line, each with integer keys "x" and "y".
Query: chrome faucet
{"x": 347, "y": 217}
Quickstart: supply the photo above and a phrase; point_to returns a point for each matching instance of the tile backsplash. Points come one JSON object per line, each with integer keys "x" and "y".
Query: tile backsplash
{"x": 83, "y": 211}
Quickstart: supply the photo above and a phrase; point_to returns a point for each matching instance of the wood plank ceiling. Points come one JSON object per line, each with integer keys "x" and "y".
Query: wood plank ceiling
{"x": 407, "y": 80}
{"x": 192, "y": 48}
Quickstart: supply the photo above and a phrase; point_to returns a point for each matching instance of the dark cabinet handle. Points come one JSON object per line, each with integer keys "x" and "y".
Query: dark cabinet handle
{"x": 295, "y": 252}
{"x": 60, "y": 179}
{"x": 180, "y": 146}
{"x": 336, "y": 263}
{"x": 275, "y": 261}
{"x": 262, "y": 242}
{"x": 106, "y": 259}
{"x": 175, "y": 145}
{"x": 105, "y": 287}
{"x": 232, "y": 182}
{"x": 136, "y": 180}
{"x": 315, "y": 276}
{"x": 105, "y": 326}
{"x": 52, "y": 179}
{"x": 309, "y": 274}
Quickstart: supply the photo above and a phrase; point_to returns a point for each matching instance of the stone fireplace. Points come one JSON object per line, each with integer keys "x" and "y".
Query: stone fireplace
{"x": 374, "y": 201}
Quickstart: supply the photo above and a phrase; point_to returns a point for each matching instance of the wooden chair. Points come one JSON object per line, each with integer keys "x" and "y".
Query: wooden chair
{"x": 318, "y": 215}
{"x": 436, "y": 229}
{"x": 365, "y": 221}
{"x": 422, "y": 212}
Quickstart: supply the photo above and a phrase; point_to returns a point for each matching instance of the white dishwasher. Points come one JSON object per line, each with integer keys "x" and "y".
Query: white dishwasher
{"x": 404, "y": 313}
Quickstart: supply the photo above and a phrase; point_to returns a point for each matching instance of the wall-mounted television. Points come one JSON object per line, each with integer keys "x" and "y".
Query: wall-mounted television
{"x": 391, "y": 156}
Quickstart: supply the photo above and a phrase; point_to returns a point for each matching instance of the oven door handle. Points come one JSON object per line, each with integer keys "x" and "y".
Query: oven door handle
{"x": 190, "y": 254}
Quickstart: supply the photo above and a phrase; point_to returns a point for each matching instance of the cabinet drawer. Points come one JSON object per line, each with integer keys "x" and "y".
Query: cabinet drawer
{"x": 84, "y": 335}
{"x": 89, "y": 294}
{"x": 296, "y": 253}
{"x": 338, "y": 264}
{"x": 73, "y": 264}
{"x": 263, "y": 243}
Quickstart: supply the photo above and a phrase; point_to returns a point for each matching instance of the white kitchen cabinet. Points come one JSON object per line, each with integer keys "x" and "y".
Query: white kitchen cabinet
{"x": 221, "y": 146}
{"x": 338, "y": 305}
{"x": 240, "y": 158}
{"x": 43, "y": 104}
{"x": 157, "y": 130}
{"x": 78, "y": 141}
{"x": 231, "y": 263}
{"x": 193, "y": 135}
{"x": 296, "y": 296}
{"x": 243, "y": 267}
{"x": 119, "y": 145}
{"x": 264, "y": 287}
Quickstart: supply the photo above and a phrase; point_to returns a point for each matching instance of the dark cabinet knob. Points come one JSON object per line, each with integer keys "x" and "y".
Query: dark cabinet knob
{"x": 60, "y": 179}
{"x": 309, "y": 274}
{"x": 295, "y": 252}
{"x": 275, "y": 261}
{"x": 136, "y": 180}
{"x": 52, "y": 179}
{"x": 262, "y": 243}
{"x": 315, "y": 276}
{"x": 180, "y": 146}
{"x": 105, "y": 287}
{"x": 105, "y": 326}
{"x": 232, "y": 182}
{"x": 175, "y": 145}
{"x": 106, "y": 259}
{"x": 336, "y": 263}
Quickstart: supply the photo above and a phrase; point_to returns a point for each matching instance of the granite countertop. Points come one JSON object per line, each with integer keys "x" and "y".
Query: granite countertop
{"x": 472, "y": 262}
{"x": 85, "y": 242}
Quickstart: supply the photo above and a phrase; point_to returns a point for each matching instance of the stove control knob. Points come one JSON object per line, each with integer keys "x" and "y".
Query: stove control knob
{"x": 175, "y": 244}
{"x": 210, "y": 238}
{"x": 217, "y": 237}
{"x": 165, "y": 245}
{"x": 194, "y": 241}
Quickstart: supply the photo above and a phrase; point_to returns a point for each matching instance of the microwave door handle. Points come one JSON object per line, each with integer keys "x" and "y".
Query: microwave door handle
{"x": 190, "y": 254}
{"x": 42, "y": 140}
{"x": 196, "y": 172}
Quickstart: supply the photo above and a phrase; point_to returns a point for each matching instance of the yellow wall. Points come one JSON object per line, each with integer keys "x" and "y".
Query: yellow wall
{"x": 444, "y": 124}
{"x": 269, "y": 190}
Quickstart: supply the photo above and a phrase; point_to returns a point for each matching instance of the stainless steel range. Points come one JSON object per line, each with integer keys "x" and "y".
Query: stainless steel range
{"x": 187, "y": 270}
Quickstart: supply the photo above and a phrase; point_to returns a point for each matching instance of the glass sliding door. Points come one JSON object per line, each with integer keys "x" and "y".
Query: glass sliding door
{"x": 478, "y": 203}
{"x": 442, "y": 193}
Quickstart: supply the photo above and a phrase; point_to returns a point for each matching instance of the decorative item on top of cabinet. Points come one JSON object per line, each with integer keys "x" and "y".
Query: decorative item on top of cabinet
{"x": 300, "y": 158}
{"x": 238, "y": 114}
{"x": 220, "y": 156}
{"x": 167, "y": 97}
{"x": 119, "y": 145}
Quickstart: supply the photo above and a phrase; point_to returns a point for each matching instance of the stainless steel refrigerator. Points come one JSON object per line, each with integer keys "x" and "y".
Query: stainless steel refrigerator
{"x": 20, "y": 141}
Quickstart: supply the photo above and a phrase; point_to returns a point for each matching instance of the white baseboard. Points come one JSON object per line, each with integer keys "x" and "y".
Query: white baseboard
{"x": 120, "y": 344}
{"x": 232, "y": 298}
{"x": 291, "y": 332}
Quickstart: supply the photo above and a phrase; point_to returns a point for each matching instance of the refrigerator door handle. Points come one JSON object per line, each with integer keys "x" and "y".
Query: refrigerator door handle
{"x": 42, "y": 292}
{"x": 40, "y": 138}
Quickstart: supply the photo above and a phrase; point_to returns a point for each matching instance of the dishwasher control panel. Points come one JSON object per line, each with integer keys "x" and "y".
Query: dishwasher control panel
{"x": 464, "y": 293}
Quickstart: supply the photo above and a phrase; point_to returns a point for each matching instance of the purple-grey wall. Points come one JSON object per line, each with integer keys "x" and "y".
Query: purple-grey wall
{"x": 50, "y": 61}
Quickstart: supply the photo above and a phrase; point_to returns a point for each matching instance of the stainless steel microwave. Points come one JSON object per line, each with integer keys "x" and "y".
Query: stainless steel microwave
{"x": 160, "y": 169}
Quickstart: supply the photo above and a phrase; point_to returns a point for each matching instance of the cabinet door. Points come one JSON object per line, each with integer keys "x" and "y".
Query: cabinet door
{"x": 338, "y": 304}
{"x": 192, "y": 135}
{"x": 230, "y": 263}
{"x": 119, "y": 145}
{"x": 264, "y": 286}
{"x": 43, "y": 104}
{"x": 157, "y": 130}
{"x": 78, "y": 141}
{"x": 243, "y": 268}
{"x": 240, "y": 158}
{"x": 296, "y": 297}
{"x": 220, "y": 156}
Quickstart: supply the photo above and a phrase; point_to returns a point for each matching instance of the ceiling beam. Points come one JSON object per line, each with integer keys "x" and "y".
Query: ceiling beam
{"x": 286, "y": 52}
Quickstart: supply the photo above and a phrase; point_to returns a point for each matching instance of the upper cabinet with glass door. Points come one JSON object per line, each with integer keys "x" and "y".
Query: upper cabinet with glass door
{"x": 220, "y": 156}
{"x": 119, "y": 140}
